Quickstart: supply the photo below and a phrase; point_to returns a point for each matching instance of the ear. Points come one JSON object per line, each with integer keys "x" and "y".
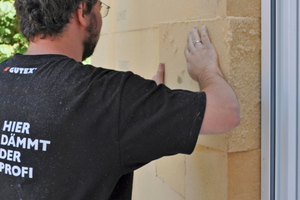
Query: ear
{"x": 81, "y": 16}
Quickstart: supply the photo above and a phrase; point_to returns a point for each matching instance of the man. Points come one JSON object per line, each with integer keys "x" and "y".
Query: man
{"x": 70, "y": 131}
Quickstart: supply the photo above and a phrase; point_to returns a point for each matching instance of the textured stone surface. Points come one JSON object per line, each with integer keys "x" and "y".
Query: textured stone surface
{"x": 206, "y": 174}
{"x": 244, "y": 175}
{"x": 244, "y": 8}
{"x": 244, "y": 77}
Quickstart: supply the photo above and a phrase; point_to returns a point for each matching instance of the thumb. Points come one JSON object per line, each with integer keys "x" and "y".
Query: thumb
{"x": 159, "y": 76}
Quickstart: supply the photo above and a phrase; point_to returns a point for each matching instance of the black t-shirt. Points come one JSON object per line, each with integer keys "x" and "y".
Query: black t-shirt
{"x": 73, "y": 131}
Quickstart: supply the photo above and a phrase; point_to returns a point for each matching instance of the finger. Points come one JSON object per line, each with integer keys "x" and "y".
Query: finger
{"x": 159, "y": 76}
{"x": 186, "y": 51}
{"x": 196, "y": 37}
{"x": 204, "y": 36}
{"x": 190, "y": 43}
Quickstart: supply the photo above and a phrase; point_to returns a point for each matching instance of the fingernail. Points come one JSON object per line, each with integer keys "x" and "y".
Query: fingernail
{"x": 203, "y": 27}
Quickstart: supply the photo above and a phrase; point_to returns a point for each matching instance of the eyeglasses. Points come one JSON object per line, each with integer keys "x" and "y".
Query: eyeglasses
{"x": 104, "y": 9}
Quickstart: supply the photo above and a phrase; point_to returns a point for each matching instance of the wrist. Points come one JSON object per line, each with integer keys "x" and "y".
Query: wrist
{"x": 209, "y": 76}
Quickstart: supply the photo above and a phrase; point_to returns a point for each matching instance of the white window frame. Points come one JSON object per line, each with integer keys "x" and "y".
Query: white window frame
{"x": 280, "y": 100}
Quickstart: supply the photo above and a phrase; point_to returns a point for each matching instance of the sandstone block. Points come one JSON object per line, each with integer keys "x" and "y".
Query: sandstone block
{"x": 146, "y": 186}
{"x": 171, "y": 170}
{"x": 244, "y": 175}
{"x": 244, "y": 8}
{"x": 245, "y": 77}
{"x": 206, "y": 174}
{"x": 136, "y": 51}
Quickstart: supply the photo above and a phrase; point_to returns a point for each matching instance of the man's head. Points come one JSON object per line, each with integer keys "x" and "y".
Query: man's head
{"x": 46, "y": 17}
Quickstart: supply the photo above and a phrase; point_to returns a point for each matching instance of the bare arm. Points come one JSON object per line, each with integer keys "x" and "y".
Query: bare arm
{"x": 222, "y": 109}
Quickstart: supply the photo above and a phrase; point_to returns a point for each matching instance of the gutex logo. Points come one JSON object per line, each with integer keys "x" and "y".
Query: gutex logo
{"x": 19, "y": 70}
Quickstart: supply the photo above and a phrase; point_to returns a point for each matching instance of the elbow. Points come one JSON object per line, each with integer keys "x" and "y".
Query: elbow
{"x": 221, "y": 118}
{"x": 227, "y": 122}
{"x": 220, "y": 123}
{"x": 233, "y": 119}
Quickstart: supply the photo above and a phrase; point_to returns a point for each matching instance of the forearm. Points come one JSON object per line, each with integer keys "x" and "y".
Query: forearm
{"x": 222, "y": 109}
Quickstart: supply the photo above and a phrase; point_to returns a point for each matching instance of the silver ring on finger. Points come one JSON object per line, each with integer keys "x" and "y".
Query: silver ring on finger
{"x": 198, "y": 41}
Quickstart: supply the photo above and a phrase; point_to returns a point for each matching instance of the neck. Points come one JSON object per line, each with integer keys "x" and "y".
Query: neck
{"x": 69, "y": 43}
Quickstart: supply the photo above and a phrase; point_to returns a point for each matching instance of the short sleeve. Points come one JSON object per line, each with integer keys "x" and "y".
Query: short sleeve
{"x": 156, "y": 121}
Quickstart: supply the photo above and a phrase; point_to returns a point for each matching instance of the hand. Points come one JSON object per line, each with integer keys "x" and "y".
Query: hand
{"x": 159, "y": 76}
{"x": 201, "y": 55}
{"x": 222, "y": 111}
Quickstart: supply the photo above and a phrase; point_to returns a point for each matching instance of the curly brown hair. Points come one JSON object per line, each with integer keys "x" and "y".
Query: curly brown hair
{"x": 46, "y": 17}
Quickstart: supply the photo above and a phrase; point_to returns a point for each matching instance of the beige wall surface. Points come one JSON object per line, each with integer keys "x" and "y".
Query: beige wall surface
{"x": 138, "y": 34}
